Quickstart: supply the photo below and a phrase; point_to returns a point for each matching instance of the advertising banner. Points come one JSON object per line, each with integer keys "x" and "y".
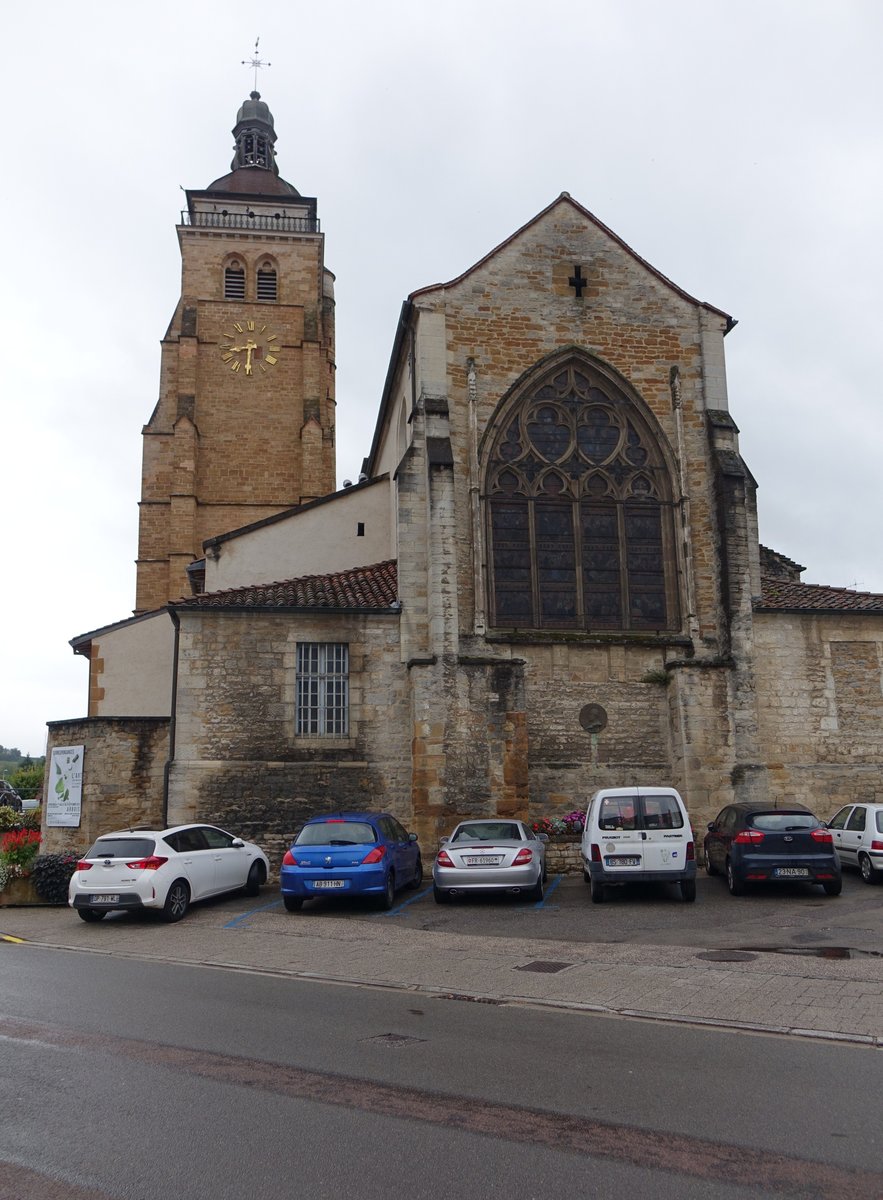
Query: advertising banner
{"x": 64, "y": 794}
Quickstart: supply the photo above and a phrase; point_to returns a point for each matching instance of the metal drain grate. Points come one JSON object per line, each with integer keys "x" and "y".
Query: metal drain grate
{"x": 727, "y": 956}
{"x": 544, "y": 967}
{"x": 394, "y": 1039}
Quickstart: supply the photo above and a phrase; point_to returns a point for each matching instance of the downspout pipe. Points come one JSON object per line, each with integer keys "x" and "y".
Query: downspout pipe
{"x": 167, "y": 769}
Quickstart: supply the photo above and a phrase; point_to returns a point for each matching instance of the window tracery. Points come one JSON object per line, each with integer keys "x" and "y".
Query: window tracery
{"x": 578, "y": 500}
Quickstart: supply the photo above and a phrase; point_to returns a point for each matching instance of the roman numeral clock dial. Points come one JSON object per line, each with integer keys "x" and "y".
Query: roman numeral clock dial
{"x": 248, "y": 349}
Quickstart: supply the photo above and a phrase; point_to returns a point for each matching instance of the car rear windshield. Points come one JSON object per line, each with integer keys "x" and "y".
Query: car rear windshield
{"x": 640, "y": 812}
{"x": 336, "y": 833}
{"x": 122, "y": 848}
{"x": 779, "y": 822}
{"x": 487, "y": 831}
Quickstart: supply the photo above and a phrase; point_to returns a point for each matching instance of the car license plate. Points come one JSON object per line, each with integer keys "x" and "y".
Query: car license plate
{"x": 482, "y": 860}
{"x": 791, "y": 872}
{"x": 622, "y": 860}
{"x": 104, "y": 899}
{"x": 327, "y": 883}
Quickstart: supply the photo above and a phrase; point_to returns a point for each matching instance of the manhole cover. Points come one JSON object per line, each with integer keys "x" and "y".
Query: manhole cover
{"x": 544, "y": 967}
{"x": 726, "y": 956}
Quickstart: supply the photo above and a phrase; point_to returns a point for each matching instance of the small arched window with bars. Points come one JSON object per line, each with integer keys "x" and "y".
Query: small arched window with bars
{"x": 234, "y": 281}
{"x": 266, "y": 281}
{"x": 579, "y": 510}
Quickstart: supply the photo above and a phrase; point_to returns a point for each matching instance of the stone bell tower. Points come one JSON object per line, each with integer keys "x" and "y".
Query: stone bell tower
{"x": 244, "y": 425}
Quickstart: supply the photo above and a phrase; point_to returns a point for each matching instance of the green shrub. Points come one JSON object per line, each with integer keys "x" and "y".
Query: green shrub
{"x": 9, "y": 818}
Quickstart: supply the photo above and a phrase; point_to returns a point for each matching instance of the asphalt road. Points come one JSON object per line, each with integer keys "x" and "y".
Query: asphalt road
{"x": 128, "y": 1080}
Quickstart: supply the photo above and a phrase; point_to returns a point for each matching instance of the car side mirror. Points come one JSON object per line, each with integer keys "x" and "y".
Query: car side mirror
{"x": 238, "y": 843}
{"x": 443, "y": 841}
{"x": 542, "y": 837}
{"x": 710, "y": 826}
{"x": 412, "y": 837}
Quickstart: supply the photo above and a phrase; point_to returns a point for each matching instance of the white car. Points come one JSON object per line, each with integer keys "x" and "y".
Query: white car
{"x": 857, "y": 830}
{"x": 164, "y": 870}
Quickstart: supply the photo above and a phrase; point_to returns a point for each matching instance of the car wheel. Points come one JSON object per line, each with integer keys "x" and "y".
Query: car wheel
{"x": 833, "y": 889}
{"x": 91, "y": 914}
{"x": 177, "y": 901}
{"x": 387, "y": 900}
{"x": 440, "y": 895}
{"x": 734, "y": 883}
{"x": 869, "y": 872}
{"x": 586, "y": 876}
{"x": 292, "y": 903}
{"x": 418, "y": 874}
{"x": 538, "y": 890}
{"x": 255, "y": 879}
{"x": 599, "y": 894}
{"x": 688, "y": 890}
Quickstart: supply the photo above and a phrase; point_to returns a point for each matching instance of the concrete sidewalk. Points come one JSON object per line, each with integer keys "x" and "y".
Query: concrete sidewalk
{"x": 809, "y": 996}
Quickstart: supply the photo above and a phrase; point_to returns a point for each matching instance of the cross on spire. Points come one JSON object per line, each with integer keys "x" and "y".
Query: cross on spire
{"x": 577, "y": 282}
{"x": 255, "y": 62}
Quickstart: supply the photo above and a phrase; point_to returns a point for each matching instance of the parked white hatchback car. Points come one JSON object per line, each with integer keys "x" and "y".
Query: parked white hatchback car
{"x": 638, "y": 835}
{"x": 857, "y": 830}
{"x": 164, "y": 870}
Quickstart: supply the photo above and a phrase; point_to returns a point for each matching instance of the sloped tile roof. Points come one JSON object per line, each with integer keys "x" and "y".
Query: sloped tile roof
{"x": 785, "y": 595}
{"x": 360, "y": 589}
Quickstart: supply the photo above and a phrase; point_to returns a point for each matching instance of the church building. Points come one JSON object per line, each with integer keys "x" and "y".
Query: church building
{"x": 546, "y": 580}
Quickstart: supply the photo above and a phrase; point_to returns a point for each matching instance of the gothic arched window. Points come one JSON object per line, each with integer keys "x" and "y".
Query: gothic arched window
{"x": 578, "y": 499}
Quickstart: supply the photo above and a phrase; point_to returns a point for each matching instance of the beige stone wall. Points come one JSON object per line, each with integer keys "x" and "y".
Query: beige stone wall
{"x": 820, "y": 689}
{"x": 123, "y": 766}
{"x": 350, "y": 530}
{"x": 238, "y": 760}
{"x": 131, "y": 669}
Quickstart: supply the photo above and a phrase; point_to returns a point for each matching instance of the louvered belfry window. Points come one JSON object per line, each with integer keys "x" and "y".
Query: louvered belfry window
{"x": 234, "y": 282}
{"x": 266, "y": 282}
{"x": 322, "y": 689}
{"x": 579, "y": 511}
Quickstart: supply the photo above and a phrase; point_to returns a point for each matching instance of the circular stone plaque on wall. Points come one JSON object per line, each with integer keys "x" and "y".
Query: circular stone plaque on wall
{"x": 593, "y": 718}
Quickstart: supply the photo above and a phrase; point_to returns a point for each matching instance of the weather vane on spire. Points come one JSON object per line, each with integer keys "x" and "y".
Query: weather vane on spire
{"x": 255, "y": 62}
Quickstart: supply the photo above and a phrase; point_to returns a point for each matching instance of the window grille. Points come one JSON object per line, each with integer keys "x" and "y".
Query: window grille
{"x": 266, "y": 284}
{"x": 322, "y": 689}
{"x": 234, "y": 283}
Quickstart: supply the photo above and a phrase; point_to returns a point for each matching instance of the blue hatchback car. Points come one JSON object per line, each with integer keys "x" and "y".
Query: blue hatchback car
{"x": 350, "y": 854}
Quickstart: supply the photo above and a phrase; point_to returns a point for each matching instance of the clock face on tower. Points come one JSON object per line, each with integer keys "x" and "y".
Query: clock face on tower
{"x": 248, "y": 349}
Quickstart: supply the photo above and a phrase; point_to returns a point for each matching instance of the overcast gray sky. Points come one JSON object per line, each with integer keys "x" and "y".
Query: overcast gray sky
{"x": 737, "y": 147}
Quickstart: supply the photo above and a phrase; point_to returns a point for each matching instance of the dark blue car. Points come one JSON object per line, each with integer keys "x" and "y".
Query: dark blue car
{"x": 351, "y": 854}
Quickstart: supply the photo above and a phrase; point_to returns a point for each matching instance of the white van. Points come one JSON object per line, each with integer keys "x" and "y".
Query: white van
{"x": 638, "y": 835}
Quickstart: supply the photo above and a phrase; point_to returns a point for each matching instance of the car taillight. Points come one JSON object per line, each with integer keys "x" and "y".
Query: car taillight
{"x": 748, "y": 837}
{"x": 375, "y": 855}
{"x": 876, "y": 845}
{"x": 288, "y": 860}
{"x": 444, "y": 859}
{"x": 147, "y": 864}
{"x": 691, "y": 852}
{"x": 596, "y": 852}
{"x": 821, "y": 835}
{"x": 522, "y": 857}
{"x": 82, "y": 865}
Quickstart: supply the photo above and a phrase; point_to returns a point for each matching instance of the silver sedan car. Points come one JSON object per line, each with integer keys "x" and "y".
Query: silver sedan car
{"x": 490, "y": 856}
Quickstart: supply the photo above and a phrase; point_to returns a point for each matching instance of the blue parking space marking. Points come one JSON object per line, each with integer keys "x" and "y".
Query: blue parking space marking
{"x": 549, "y": 890}
{"x": 394, "y": 912}
{"x": 245, "y": 916}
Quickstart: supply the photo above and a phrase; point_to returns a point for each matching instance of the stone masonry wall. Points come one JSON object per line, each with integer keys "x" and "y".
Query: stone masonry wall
{"x": 238, "y": 760}
{"x": 820, "y": 696}
{"x": 123, "y": 766}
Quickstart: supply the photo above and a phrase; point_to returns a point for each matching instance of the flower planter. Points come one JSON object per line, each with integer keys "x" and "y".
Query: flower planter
{"x": 20, "y": 893}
